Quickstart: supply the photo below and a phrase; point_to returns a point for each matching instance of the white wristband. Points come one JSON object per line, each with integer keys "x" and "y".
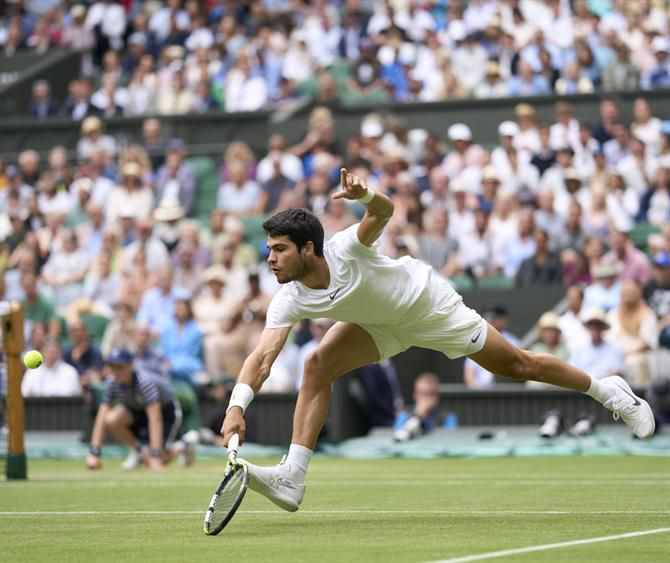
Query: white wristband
{"x": 241, "y": 396}
{"x": 367, "y": 198}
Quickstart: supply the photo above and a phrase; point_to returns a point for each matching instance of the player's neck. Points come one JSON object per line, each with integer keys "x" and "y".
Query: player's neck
{"x": 317, "y": 275}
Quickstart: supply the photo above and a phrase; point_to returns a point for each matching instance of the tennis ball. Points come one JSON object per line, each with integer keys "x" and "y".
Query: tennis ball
{"x": 33, "y": 359}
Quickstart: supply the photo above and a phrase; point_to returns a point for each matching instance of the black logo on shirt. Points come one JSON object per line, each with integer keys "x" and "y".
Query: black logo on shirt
{"x": 334, "y": 294}
{"x": 476, "y": 336}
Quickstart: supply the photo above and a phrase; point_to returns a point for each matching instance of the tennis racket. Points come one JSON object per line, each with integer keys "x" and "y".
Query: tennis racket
{"x": 229, "y": 493}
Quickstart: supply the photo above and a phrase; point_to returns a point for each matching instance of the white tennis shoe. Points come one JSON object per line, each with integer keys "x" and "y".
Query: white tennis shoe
{"x": 280, "y": 484}
{"x": 134, "y": 460}
{"x": 633, "y": 410}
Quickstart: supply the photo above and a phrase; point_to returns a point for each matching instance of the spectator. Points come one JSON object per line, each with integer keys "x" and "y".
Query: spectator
{"x": 132, "y": 196}
{"x": 290, "y": 166}
{"x": 573, "y": 81}
{"x": 93, "y": 139}
{"x": 102, "y": 286}
{"x": 659, "y": 75}
{"x": 478, "y": 260}
{"x": 147, "y": 356}
{"x": 493, "y": 85}
{"x": 604, "y": 292}
{"x": 119, "y": 332}
{"x": 82, "y": 355}
{"x": 521, "y": 246}
{"x": 633, "y": 329}
{"x": 621, "y": 74}
{"x": 527, "y": 83}
{"x": 423, "y": 416}
{"x": 181, "y": 339}
{"x": 42, "y": 105}
{"x": 157, "y": 305}
{"x": 244, "y": 90}
{"x": 570, "y": 323}
{"x": 176, "y": 179}
{"x": 54, "y": 378}
{"x": 66, "y": 269}
{"x": 657, "y": 293}
{"x": 240, "y": 195}
{"x": 596, "y": 356}
{"x": 177, "y": 98}
{"x": 549, "y": 337}
{"x": 655, "y": 203}
{"x": 635, "y": 264}
{"x": 543, "y": 268}
{"x": 435, "y": 246}
{"x": 465, "y": 153}
{"x": 78, "y": 104}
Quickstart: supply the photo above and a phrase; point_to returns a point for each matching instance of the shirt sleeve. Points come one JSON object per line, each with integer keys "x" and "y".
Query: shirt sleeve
{"x": 108, "y": 393}
{"x": 346, "y": 242}
{"x": 283, "y": 310}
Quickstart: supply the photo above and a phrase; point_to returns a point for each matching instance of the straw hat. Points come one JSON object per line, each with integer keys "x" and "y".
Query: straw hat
{"x": 169, "y": 211}
{"x": 548, "y": 320}
{"x": 595, "y": 316}
{"x": 90, "y": 124}
{"x": 131, "y": 169}
{"x": 214, "y": 274}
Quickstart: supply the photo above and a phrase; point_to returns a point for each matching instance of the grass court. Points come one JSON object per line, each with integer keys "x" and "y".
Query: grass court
{"x": 377, "y": 510}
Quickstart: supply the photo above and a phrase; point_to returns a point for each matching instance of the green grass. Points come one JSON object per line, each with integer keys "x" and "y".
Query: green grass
{"x": 454, "y": 507}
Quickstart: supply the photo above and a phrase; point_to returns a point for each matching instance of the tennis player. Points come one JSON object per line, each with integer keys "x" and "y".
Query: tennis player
{"x": 383, "y": 306}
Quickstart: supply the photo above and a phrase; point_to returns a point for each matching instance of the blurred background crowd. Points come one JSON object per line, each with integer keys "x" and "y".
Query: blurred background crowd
{"x": 185, "y": 56}
{"x": 105, "y": 250}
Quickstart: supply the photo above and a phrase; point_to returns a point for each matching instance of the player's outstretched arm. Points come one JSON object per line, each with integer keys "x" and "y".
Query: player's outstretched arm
{"x": 380, "y": 207}
{"x": 255, "y": 371}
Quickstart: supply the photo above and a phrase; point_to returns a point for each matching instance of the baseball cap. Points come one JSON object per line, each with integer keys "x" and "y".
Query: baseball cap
{"x": 120, "y": 356}
{"x": 508, "y": 129}
{"x": 662, "y": 259}
{"x": 459, "y": 132}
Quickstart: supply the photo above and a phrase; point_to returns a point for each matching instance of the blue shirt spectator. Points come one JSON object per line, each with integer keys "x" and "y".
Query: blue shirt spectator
{"x": 181, "y": 340}
{"x": 598, "y": 357}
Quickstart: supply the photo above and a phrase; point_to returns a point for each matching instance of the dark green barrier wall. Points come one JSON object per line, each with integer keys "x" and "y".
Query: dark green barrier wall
{"x": 209, "y": 134}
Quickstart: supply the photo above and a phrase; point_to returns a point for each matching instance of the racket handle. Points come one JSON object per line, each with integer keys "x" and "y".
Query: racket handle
{"x": 233, "y": 446}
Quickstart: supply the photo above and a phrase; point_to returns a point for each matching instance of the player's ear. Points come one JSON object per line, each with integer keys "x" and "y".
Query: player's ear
{"x": 308, "y": 249}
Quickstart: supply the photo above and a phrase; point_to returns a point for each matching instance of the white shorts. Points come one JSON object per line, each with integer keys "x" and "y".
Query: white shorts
{"x": 451, "y": 328}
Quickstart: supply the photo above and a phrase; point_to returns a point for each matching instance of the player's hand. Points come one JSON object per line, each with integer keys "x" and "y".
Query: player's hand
{"x": 233, "y": 424}
{"x": 352, "y": 186}
{"x": 93, "y": 461}
{"x": 155, "y": 464}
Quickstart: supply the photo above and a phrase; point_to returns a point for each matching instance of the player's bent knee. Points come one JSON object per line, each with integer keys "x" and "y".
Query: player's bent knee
{"x": 316, "y": 371}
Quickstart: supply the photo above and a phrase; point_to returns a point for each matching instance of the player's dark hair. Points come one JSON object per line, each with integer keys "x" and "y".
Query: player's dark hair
{"x": 299, "y": 225}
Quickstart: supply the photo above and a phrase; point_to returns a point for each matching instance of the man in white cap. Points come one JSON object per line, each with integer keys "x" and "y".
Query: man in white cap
{"x": 604, "y": 292}
{"x": 464, "y": 152}
{"x": 598, "y": 357}
{"x": 659, "y": 74}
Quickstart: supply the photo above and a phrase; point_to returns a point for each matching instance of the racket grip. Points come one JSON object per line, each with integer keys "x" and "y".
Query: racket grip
{"x": 233, "y": 445}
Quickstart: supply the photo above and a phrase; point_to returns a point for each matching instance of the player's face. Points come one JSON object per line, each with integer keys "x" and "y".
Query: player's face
{"x": 286, "y": 261}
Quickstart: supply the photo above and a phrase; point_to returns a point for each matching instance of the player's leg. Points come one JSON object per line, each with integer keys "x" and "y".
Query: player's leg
{"x": 118, "y": 421}
{"x": 121, "y": 423}
{"x": 344, "y": 347}
{"x": 502, "y": 358}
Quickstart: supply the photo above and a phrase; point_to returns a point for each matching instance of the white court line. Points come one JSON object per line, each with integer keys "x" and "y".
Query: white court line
{"x": 446, "y": 482}
{"x": 336, "y": 512}
{"x": 545, "y": 547}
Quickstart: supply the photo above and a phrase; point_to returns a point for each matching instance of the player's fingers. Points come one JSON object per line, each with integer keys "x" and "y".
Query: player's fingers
{"x": 343, "y": 177}
{"x": 338, "y": 195}
{"x": 350, "y": 181}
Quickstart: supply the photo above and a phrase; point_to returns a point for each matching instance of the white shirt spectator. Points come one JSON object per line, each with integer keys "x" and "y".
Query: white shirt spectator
{"x": 87, "y": 146}
{"x": 59, "y": 380}
{"x": 290, "y": 166}
{"x": 240, "y": 200}
{"x": 245, "y": 93}
{"x": 60, "y": 202}
{"x": 137, "y": 203}
{"x": 111, "y": 18}
{"x": 561, "y": 135}
{"x": 633, "y": 176}
{"x": 469, "y": 64}
{"x": 573, "y": 330}
{"x": 160, "y": 22}
{"x": 298, "y": 64}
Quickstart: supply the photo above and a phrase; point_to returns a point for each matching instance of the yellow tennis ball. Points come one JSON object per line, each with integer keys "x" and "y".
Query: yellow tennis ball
{"x": 33, "y": 359}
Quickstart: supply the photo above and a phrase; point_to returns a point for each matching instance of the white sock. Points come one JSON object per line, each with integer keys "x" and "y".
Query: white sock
{"x": 299, "y": 457}
{"x": 598, "y": 390}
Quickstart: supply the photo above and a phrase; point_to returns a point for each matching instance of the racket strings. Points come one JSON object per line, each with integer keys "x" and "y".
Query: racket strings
{"x": 228, "y": 497}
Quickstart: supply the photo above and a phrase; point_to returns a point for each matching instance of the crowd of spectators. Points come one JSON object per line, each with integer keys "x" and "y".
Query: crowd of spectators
{"x": 188, "y": 56}
{"x": 113, "y": 238}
